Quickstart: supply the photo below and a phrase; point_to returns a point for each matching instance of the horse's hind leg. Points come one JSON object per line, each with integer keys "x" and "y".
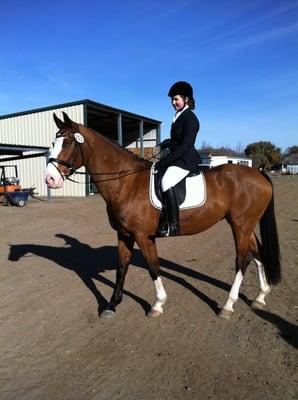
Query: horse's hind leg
{"x": 259, "y": 301}
{"x": 125, "y": 248}
{"x": 148, "y": 248}
{"x": 243, "y": 258}
{"x": 228, "y": 309}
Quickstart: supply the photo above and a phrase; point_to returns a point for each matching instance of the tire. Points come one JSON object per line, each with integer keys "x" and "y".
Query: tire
{"x": 21, "y": 203}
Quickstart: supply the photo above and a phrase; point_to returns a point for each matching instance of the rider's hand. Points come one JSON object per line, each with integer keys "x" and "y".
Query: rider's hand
{"x": 166, "y": 144}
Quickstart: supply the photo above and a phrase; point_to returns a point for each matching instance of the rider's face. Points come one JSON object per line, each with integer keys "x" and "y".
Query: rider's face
{"x": 178, "y": 102}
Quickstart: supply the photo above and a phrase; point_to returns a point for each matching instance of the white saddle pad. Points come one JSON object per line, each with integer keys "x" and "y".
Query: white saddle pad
{"x": 195, "y": 192}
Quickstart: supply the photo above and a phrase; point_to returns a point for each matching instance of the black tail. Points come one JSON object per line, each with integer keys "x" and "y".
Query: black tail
{"x": 270, "y": 254}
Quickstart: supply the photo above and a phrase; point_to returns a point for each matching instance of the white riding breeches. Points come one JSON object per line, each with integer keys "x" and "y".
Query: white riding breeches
{"x": 172, "y": 176}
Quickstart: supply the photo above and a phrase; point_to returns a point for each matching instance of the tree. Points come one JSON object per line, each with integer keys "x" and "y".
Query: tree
{"x": 291, "y": 150}
{"x": 264, "y": 154}
{"x": 221, "y": 150}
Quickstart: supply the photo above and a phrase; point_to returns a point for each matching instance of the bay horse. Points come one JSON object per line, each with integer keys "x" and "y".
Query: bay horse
{"x": 242, "y": 195}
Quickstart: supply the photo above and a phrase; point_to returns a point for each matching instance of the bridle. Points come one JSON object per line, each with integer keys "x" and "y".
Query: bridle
{"x": 70, "y": 163}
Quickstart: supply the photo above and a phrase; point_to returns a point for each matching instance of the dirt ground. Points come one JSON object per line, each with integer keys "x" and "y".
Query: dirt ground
{"x": 57, "y": 267}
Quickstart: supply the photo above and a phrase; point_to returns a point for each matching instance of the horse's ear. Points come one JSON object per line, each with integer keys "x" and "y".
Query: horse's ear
{"x": 67, "y": 121}
{"x": 59, "y": 123}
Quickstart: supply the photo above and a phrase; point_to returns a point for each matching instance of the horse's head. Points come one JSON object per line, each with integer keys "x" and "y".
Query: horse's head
{"x": 66, "y": 153}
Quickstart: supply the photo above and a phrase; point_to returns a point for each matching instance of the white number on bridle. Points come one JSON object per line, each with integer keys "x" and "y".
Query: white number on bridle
{"x": 79, "y": 138}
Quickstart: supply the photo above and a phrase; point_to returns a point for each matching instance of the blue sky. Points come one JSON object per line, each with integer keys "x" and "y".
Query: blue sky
{"x": 241, "y": 58}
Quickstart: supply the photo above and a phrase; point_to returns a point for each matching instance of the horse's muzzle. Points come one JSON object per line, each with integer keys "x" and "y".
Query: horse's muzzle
{"x": 53, "y": 177}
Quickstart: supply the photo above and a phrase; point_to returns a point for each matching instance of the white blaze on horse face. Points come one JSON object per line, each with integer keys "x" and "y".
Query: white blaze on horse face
{"x": 52, "y": 176}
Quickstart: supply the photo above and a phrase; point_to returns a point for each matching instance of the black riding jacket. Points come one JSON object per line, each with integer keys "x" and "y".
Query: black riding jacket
{"x": 183, "y": 136}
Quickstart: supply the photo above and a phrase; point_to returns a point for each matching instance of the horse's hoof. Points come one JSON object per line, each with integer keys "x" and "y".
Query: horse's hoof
{"x": 226, "y": 314}
{"x": 257, "y": 305}
{"x": 153, "y": 314}
{"x": 107, "y": 314}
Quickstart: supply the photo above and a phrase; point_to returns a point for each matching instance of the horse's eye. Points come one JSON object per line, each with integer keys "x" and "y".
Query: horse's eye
{"x": 65, "y": 144}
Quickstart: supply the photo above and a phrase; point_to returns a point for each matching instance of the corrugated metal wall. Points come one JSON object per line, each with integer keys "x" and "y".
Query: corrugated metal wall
{"x": 38, "y": 129}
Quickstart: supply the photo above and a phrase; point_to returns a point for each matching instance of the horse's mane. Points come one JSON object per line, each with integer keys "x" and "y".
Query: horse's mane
{"x": 133, "y": 156}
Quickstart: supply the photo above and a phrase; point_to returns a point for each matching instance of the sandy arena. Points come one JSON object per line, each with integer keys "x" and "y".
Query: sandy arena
{"x": 57, "y": 265}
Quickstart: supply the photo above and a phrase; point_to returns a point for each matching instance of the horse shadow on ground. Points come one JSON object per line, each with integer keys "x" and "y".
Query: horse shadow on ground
{"x": 287, "y": 330}
{"x": 90, "y": 263}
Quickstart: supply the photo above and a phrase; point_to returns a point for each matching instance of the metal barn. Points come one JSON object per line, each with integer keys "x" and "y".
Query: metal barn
{"x": 25, "y": 139}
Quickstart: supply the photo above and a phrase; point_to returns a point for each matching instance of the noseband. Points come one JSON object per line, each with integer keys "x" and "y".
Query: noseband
{"x": 68, "y": 164}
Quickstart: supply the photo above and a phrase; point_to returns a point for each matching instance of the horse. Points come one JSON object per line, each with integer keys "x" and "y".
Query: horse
{"x": 241, "y": 195}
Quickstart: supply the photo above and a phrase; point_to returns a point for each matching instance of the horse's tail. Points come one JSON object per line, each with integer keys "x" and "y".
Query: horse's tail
{"x": 270, "y": 254}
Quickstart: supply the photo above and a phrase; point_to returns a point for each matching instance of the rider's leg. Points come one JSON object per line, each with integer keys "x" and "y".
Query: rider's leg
{"x": 171, "y": 177}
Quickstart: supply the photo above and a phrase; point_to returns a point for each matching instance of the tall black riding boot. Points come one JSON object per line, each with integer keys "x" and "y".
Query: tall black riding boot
{"x": 171, "y": 228}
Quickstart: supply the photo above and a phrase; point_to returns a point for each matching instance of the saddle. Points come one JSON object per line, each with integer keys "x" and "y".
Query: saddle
{"x": 190, "y": 191}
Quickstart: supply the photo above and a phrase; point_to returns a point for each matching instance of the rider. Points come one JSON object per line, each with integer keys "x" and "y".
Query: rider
{"x": 183, "y": 158}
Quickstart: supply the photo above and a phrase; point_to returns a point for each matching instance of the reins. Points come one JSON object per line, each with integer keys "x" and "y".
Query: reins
{"x": 121, "y": 174}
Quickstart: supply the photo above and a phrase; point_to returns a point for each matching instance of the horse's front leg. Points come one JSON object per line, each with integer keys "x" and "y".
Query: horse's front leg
{"x": 125, "y": 248}
{"x": 148, "y": 248}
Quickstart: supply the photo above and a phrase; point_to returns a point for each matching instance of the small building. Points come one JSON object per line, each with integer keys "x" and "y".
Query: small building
{"x": 290, "y": 164}
{"x": 25, "y": 139}
{"x": 212, "y": 160}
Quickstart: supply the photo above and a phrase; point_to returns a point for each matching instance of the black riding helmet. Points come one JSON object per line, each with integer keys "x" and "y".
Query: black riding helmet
{"x": 181, "y": 88}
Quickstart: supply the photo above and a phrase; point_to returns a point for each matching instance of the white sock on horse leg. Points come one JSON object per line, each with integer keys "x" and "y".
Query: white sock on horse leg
{"x": 264, "y": 287}
{"x": 234, "y": 292}
{"x": 161, "y": 296}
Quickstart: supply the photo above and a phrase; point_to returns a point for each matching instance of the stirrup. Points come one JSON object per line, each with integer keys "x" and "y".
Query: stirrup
{"x": 169, "y": 230}
{"x": 163, "y": 230}
{"x": 174, "y": 230}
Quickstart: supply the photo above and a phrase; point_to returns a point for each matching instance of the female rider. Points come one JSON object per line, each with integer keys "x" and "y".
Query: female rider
{"x": 183, "y": 157}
